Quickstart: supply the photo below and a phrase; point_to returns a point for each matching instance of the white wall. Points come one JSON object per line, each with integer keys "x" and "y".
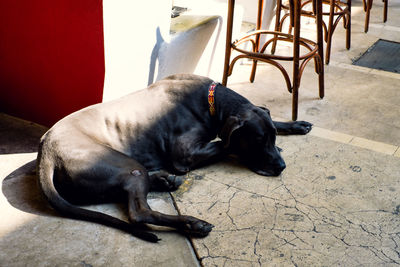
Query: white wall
{"x": 139, "y": 49}
{"x": 133, "y": 34}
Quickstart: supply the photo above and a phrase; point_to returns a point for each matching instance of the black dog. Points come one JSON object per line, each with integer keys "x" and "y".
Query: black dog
{"x": 104, "y": 152}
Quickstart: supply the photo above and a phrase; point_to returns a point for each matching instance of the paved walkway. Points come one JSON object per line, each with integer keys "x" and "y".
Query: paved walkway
{"x": 337, "y": 202}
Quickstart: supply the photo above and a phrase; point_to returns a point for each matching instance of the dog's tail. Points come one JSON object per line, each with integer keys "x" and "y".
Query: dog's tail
{"x": 45, "y": 172}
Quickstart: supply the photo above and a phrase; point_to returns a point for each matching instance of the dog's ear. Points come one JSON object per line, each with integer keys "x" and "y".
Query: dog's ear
{"x": 264, "y": 108}
{"x": 231, "y": 124}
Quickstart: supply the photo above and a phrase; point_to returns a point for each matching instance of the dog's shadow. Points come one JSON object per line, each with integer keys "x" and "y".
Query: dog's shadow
{"x": 22, "y": 191}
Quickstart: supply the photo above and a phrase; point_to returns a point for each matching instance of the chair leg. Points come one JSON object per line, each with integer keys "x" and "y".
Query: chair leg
{"x": 291, "y": 14}
{"x": 368, "y": 10}
{"x": 320, "y": 42}
{"x": 330, "y": 31}
{"x": 231, "y": 5}
{"x": 296, "y": 52}
{"x": 277, "y": 23}
{"x": 257, "y": 46}
{"x": 348, "y": 29}
{"x": 364, "y": 5}
{"x": 385, "y": 10}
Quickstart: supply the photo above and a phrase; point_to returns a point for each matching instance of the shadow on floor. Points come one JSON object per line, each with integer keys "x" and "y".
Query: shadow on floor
{"x": 22, "y": 191}
{"x": 19, "y": 136}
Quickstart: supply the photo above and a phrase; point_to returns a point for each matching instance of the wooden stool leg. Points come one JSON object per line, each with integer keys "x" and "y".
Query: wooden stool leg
{"x": 348, "y": 29}
{"x": 368, "y": 10}
{"x": 277, "y": 23}
{"x": 296, "y": 51}
{"x": 385, "y": 10}
{"x": 320, "y": 48}
{"x": 291, "y": 14}
{"x": 257, "y": 46}
{"x": 330, "y": 31}
{"x": 229, "y": 26}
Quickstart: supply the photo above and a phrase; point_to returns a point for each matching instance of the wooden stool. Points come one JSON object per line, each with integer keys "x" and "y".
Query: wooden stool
{"x": 367, "y": 8}
{"x": 337, "y": 8}
{"x": 315, "y": 50}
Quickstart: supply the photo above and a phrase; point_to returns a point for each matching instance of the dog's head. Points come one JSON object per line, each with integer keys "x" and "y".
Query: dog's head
{"x": 251, "y": 135}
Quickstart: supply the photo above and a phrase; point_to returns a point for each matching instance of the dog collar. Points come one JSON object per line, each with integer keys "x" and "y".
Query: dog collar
{"x": 211, "y": 98}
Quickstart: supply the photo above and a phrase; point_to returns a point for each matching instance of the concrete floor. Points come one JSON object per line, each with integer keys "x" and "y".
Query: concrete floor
{"x": 337, "y": 202}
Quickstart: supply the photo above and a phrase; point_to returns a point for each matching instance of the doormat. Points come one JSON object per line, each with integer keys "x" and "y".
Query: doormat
{"x": 382, "y": 55}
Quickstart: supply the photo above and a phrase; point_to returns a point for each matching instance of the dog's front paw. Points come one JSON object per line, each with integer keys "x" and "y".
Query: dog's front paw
{"x": 163, "y": 181}
{"x": 301, "y": 127}
{"x": 196, "y": 227}
{"x": 172, "y": 182}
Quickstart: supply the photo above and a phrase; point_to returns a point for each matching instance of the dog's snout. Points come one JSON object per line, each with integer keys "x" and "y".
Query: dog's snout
{"x": 280, "y": 167}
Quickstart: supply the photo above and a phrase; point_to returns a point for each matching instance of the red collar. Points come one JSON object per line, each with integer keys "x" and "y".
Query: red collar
{"x": 211, "y": 98}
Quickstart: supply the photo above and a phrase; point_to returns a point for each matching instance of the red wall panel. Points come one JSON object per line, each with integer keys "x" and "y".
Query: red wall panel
{"x": 51, "y": 57}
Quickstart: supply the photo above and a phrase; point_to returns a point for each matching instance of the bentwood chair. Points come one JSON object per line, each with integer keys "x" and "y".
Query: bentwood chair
{"x": 367, "y": 4}
{"x": 258, "y": 52}
{"x": 338, "y": 10}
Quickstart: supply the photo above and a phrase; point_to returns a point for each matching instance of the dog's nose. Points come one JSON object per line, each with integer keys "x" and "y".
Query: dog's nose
{"x": 280, "y": 167}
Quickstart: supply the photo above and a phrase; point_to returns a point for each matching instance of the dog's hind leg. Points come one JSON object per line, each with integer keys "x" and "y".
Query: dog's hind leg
{"x": 87, "y": 173}
{"x": 140, "y": 211}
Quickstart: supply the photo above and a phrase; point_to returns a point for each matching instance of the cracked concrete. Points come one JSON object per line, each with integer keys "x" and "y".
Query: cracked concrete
{"x": 336, "y": 204}
{"x": 333, "y": 205}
